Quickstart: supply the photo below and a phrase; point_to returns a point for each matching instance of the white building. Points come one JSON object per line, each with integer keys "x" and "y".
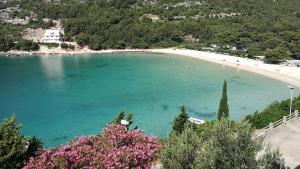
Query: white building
{"x": 53, "y": 36}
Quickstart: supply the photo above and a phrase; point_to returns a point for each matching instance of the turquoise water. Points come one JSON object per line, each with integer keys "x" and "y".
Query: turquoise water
{"x": 59, "y": 97}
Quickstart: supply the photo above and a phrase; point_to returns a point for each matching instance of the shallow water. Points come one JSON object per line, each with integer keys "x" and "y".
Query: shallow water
{"x": 59, "y": 97}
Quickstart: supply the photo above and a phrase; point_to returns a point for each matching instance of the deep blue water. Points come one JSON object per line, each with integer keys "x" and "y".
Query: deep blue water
{"x": 59, "y": 97}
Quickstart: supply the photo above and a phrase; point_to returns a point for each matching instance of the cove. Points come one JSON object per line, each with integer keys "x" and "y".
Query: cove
{"x": 57, "y": 98}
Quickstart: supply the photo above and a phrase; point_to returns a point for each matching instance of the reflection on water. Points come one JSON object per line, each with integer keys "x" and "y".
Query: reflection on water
{"x": 53, "y": 69}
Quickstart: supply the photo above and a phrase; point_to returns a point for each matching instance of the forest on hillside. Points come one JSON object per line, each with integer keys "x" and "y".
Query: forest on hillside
{"x": 253, "y": 27}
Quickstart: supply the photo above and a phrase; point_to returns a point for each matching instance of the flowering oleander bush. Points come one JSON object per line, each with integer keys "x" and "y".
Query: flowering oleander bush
{"x": 114, "y": 148}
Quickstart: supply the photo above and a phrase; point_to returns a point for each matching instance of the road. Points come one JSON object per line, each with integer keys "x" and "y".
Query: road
{"x": 287, "y": 138}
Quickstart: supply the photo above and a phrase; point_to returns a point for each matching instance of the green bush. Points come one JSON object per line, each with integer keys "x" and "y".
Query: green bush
{"x": 272, "y": 113}
{"x": 180, "y": 151}
{"x": 64, "y": 45}
{"x": 51, "y": 45}
{"x": 15, "y": 149}
{"x": 193, "y": 46}
{"x": 277, "y": 55}
{"x": 6, "y": 43}
{"x": 67, "y": 46}
{"x": 82, "y": 39}
{"x": 222, "y": 144}
{"x": 12, "y": 144}
{"x": 121, "y": 116}
{"x": 27, "y": 45}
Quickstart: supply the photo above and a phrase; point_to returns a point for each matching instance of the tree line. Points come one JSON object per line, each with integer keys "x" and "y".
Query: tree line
{"x": 263, "y": 27}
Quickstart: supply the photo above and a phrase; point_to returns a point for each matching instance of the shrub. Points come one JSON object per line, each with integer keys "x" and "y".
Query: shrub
{"x": 50, "y": 45}
{"x": 271, "y": 160}
{"x": 223, "y": 144}
{"x": 272, "y": 113}
{"x": 27, "y": 45}
{"x": 277, "y": 55}
{"x": 180, "y": 150}
{"x": 121, "y": 116}
{"x": 114, "y": 148}
{"x": 64, "y": 45}
{"x": 67, "y": 46}
{"x": 82, "y": 39}
{"x": 12, "y": 144}
{"x": 15, "y": 149}
{"x": 228, "y": 144}
{"x": 6, "y": 43}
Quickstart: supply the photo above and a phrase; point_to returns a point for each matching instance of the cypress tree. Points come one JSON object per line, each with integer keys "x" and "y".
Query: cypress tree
{"x": 223, "y": 111}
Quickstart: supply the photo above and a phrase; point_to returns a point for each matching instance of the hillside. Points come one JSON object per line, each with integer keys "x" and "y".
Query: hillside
{"x": 241, "y": 27}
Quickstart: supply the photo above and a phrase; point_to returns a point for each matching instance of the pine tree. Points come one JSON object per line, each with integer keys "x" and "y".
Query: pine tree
{"x": 118, "y": 118}
{"x": 121, "y": 116}
{"x": 223, "y": 106}
{"x": 180, "y": 121}
{"x": 12, "y": 144}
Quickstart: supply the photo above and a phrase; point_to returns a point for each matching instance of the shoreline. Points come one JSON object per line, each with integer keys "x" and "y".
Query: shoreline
{"x": 284, "y": 73}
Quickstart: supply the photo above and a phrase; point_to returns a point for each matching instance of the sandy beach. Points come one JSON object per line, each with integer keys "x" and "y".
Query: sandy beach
{"x": 285, "y": 73}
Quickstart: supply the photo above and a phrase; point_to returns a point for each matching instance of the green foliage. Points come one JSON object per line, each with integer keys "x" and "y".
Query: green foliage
{"x": 27, "y": 45}
{"x": 252, "y": 26}
{"x": 35, "y": 24}
{"x": 180, "y": 121}
{"x": 33, "y": 149}
{"x": 121, "y": 116}
{"x": 277, "y": 55}
{"x": 254, "y": 51}
{"x": 272, "y": 160}
{"x": 220, "y": 144}
{"x": 82, "y": 39}
{"x": 201, "y": 128}
{"x": 272, "y": 113}
{"x": 223, "y": 111}
{"x": 8, "y": 42}
{"x": 67, "y": 46}
{"x": 193, "y": 46}
{"x": 118, "y": 118}
{"x": 51, "y": 45}
{"x": 180, "y": 150}
{"x": 295, "y": 49}
{"x": 15, "y": 149}
{"x": 228, "y": 145}
{"x": 12, "y": 144}
{"x": 130, "y": 118}
{"x": 64, "y": 45}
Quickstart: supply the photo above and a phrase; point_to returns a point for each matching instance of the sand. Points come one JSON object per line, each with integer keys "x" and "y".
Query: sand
{"x": 285, "y": 73}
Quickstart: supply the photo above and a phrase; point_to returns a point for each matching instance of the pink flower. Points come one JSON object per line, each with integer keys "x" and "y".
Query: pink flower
{"x": 114, "y": 148}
